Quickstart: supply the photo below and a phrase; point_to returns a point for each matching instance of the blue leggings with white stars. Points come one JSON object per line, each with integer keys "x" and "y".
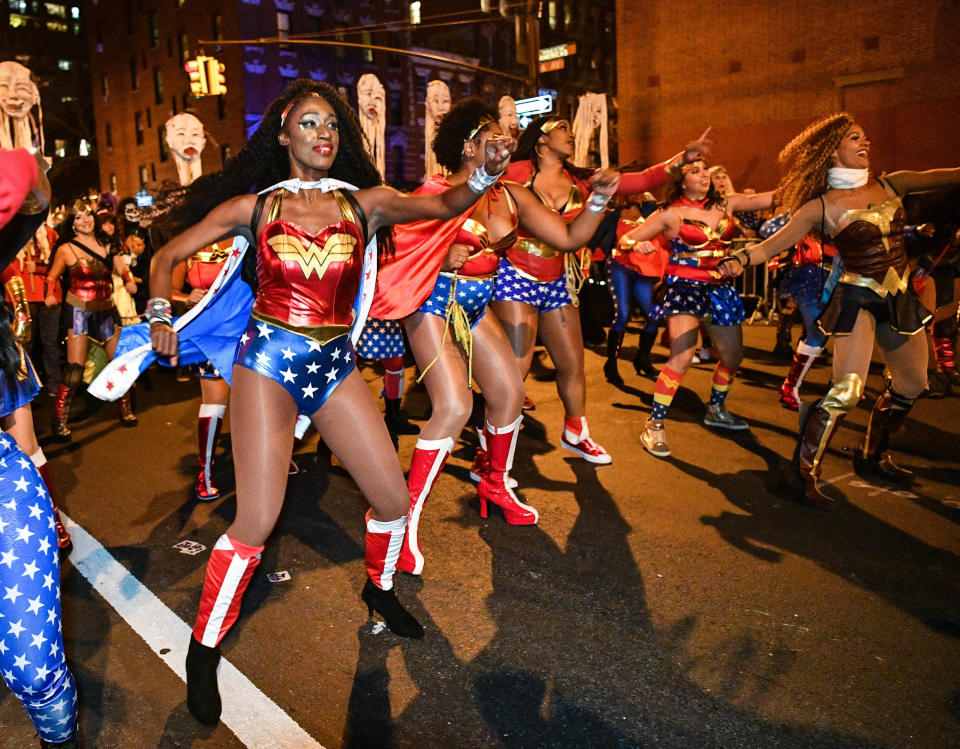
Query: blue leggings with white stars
{"x": 32, "y": 660}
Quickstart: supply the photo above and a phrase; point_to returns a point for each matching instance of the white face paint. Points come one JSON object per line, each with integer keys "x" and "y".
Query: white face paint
{"x": 185, "y": 136}
{"x": 18, "y": 94}
{"x": 131, "y": 213}
{"x": 507, "y": 116}
{"x": 438, "y": 100}
{"x": 371, "y": 96}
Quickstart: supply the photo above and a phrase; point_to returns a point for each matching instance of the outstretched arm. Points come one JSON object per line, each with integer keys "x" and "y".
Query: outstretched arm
{"x": 807, "y": 217}
{"x": 904, "y": 182}
{"x": 385, "y": 206}
{"x": 663, "y": 221}
{"x": 633, "y": 183}
{"x": 543, "y": 223}
{"x": 758, "y": 201}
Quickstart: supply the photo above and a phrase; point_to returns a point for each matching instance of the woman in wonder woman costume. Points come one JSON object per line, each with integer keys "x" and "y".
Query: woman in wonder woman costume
{"x": 536, "y": 287}
{"x": 297, "y": 353}
{"x": 450, "y": 301}
{"x": 700, "y": 226}
{"x": 827, "y": 185}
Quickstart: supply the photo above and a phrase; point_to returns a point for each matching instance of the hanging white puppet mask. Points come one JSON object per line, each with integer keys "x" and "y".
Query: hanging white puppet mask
{"x": 591, "y": 115}
{"x": 186, "y": 140}
{"x": 437, "y": 105}
{"x": 371, "y": 99}
{"x": 18, "y": 95}
{"x": 507, "y": 116}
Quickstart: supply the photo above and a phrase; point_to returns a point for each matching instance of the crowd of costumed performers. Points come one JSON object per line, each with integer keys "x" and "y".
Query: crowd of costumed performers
{"x": 296, "y": 258}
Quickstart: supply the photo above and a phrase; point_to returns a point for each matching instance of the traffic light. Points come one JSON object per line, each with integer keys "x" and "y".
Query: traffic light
{"x": 197, "y": 70}
{"x": 216, "y": 83}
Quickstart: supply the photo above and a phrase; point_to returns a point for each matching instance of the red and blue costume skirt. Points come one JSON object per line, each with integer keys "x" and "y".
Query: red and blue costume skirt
{"x": 381, "y": 339}
{"x": 718, "y": 303}
{"x": 511, "y": 286}
{"x": 473, "y": 294}
{"x": 308, "y": 362}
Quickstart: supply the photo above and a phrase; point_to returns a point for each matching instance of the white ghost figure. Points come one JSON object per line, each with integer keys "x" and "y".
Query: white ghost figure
{"x": 437, "y": 105}
{"x": 186, "y": 140}
{"x": 19, "y": 95}
{"x": 591, "y": 115}
{"x": 371, "y": 99}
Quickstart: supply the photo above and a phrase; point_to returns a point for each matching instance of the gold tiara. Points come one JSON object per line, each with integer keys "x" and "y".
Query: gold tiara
{"x": 551, "y": 123}
{"x": 483, "y": 123}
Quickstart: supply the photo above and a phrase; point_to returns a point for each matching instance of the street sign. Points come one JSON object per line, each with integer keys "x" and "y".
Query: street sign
{"x": 557, "y": 64}
{"x": 527, "y": 109}
{"x": 558, "y": 51}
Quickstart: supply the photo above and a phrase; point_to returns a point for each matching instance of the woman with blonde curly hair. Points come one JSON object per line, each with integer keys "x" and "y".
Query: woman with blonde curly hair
{"x": 827, "y": 185}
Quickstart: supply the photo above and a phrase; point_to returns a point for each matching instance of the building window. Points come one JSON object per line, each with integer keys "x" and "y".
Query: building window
{"x": 133, "y": 74}
{"x": 283, "y": 24}
{"x": 113, "y": 183}
{"x": 153, "y": 171}
{"x": 222, "y": 107}
{"x": 184, "y": 43}
{"x": 65, "y": 64}
{"x": 55, "y": 26}
{"x": 154, "y": 29}
{"x": 53, "y": 9}
{"x": 130, "y": 12}
{"x": 415, "y": 12}
{"x": 60, "y": 147}
{"x": 143, "y": 176}
{"x": 138, "y": 127}
{"x": 217, "y": 26}
{"x": 149, "y": 118}
{"x": 552, "y": 14}
{"x": 75, "y": 13}
{"x": 162, "y": 140}
{"x": 225, "y": 153}
{"x": 158, "y": 85}
{"x": 367, "y": 53}
{"x": 104, "y": 86}
{"x": 108, "y": 136}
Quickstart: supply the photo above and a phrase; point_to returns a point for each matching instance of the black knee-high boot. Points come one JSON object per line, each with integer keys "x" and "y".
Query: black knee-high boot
{"x": 641, "y": 362}
{"x": 614, "y": 340}
{"x": 886, "y": 420}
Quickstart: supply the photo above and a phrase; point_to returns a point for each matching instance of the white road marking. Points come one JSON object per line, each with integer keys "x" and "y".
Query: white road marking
{"x": 255, "y": 719}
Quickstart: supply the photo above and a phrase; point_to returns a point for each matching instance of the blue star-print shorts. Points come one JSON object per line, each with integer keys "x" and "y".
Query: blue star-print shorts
{"x": 309, "y": 370}
{"x": 381, "y": 339}
{"x": 545, "y": 296}
{"x": 473, "y": 295}
{"x": 711, "y": 302}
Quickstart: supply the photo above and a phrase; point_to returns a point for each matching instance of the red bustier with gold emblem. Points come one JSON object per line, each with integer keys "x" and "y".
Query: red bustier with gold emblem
{"x": 91, "y": 281}
{"x": 305, "y": 279}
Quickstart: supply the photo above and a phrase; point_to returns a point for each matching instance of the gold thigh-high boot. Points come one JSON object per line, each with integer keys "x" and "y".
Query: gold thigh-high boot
{"x": 886, "y": 420}
{"x": 817, "y": 425}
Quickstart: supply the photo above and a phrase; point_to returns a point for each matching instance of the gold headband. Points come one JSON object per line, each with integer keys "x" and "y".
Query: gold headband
{"x": 286, "y": 109}
{"x": 551, "y": 123}
{"x": 483, "y": 123}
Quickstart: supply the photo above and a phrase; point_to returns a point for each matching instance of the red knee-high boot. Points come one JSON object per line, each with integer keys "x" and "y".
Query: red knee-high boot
{"x": 383, "y": 542}
{"x": 428, "y": 460}
{"x": 803, "y": 359}
{"x": 229, "y": 571}
{"x": 209, "y": 423}
{"x": 495, "y": 483}
{"x": 64, "y": 542}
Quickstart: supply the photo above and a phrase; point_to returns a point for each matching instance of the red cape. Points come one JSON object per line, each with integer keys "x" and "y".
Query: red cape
{"x": 405, "y": 281}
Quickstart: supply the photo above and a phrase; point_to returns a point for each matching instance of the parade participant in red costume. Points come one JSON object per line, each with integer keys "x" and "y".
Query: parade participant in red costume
{"x": 88, "y": 257}
{"x": 314, "y": 279}
{"x": 444, "y": 295}
{"x": 536, "y": 286}
{"x": 700, "y": 226}
{"x": 827, "y": 185}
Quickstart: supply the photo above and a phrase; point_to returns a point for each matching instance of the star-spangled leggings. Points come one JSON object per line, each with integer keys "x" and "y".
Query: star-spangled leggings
{"x": 32, "y": 660}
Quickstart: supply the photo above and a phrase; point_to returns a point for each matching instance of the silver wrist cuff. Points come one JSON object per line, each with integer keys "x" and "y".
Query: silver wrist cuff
{"x": 158, "y": 310}
{"x": 479, "y": 181}
{"x": 597, "y": 203}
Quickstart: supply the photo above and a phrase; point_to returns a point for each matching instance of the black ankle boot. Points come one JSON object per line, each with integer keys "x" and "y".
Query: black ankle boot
{"x": 73, "y": 742}
{"x": 641, "y": 362}
{"x": 396, "y": 419}
{"x": 614, "y": 339}
{"x": 203, "y": 696}
{"x": 384, "y": 602}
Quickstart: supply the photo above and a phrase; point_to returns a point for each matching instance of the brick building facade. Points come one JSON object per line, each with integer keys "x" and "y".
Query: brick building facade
{"x": 759, "y": 71}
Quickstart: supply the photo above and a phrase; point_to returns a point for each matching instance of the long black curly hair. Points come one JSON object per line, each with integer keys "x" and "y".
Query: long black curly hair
{"x": 9, "y": 350}
{"x": 456, "y": 126}
{"x": 527, "y": 148}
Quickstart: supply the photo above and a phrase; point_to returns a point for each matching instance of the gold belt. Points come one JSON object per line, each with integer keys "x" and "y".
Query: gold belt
{"x": 534, "y": 247}
{"x": 461, "y": 277}
{"x": 893, "y": 282}
{"x": 91, "y": 305}
{"x": 322, "y": 334}
{"x": 698, "y": 254}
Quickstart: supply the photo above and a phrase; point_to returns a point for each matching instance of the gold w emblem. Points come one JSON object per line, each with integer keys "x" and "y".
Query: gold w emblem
{"x": 670, "y": 382}
{"x": 313, "y": 259}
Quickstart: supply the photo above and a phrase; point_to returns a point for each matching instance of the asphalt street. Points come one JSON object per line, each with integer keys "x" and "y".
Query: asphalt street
{"x": 685, "y": 602}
